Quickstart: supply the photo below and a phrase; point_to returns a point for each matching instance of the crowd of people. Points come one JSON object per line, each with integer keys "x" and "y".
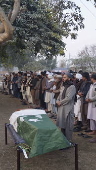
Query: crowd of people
{"x": 68, "y": 98}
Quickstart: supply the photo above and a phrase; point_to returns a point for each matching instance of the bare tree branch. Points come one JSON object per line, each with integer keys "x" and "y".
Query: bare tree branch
{"x": 15, "y": 11}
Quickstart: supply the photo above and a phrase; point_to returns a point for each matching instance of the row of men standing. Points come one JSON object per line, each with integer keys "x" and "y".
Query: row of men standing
{"x": 57, "y": 96}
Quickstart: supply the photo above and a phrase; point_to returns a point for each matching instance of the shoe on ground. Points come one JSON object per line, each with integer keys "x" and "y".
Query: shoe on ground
{"x": 23, "y": 103}
{"x": 47, "y": 111}
{"x": 86, "y": 136}
{"x": 81, "y": 134}
{"x": 88, "y": 130}
{"x": 55, "y": 117}
{"x": 77, "y": 129}
{"x": 84, "y": 128}
{"x": 92, "y": 140}
{"x": 52, "y": 116}
{"x": 49, "y": 114}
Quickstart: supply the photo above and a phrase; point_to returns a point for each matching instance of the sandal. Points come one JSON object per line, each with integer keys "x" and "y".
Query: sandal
{"x": 81, "y": 134}
{"x": 86, "y": 136}
{"x": 77, "y": 129}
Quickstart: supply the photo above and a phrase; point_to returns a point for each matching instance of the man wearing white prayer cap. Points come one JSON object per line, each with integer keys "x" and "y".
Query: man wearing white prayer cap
{"x": 78, "y": 76}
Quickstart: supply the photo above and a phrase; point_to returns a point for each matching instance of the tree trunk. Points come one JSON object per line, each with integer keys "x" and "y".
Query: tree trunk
{"x": 6, "y": 29}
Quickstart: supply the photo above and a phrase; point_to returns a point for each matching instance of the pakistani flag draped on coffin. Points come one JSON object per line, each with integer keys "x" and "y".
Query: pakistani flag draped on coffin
{"x": 39, "y": 132}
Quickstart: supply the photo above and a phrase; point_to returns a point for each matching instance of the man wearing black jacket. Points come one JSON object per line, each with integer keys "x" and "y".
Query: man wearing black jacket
{"x": 33, "y": 82}
{"x": 82, "y": 93}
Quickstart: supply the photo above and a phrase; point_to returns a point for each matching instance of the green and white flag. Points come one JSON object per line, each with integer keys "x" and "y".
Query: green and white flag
{"x": 40, "y": 134}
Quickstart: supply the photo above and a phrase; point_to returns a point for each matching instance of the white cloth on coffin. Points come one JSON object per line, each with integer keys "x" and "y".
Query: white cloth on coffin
{"x": 15, "y": 115}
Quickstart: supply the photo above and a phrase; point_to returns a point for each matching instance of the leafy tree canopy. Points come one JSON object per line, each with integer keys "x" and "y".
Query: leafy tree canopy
{"x": 42, "y": 24}
{"x": 41, "y": 64}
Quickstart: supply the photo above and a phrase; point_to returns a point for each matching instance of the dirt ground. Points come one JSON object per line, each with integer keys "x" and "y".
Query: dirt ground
{"x": 57, "y": 160}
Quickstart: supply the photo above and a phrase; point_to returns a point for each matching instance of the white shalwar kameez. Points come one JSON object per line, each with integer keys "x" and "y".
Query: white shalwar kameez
{"x": 91, "y": 112}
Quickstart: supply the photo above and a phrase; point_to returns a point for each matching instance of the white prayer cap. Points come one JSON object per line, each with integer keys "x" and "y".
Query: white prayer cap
{"x": 28, "y": 75}
{"x": 7, "y": 74}
{"x": 47, "y": 73}
{"x": 78, "y": 76}
{"x": 38, "y": 74}
{"x": 52, "y": 79}
{"x": 55, "y": 75}
{"x": 50, "y": 76}
{"x": 59, "y": 76}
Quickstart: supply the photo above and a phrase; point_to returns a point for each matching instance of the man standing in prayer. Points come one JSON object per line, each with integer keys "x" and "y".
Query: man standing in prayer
{"x": 84, "y": 88}
{"x": 91, "y": 99}
{"x": 19, "y": 82}
{"x": 42, "y": 90}
{"x": 65, "y": 103}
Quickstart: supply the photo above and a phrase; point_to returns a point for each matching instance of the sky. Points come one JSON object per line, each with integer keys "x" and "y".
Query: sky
{"x": 86, "y": 36}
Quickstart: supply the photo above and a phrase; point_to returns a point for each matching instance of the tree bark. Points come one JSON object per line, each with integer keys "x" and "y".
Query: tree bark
{"x": 1, "y": 28}
{"x": 6, "y": 29}
{"x": 15, "y": 11}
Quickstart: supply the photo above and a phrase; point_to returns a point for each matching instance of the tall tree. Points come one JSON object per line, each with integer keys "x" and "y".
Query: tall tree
{"x": 6, "y": 28}
{"x": 86, "y": 59}
{"x": 39, "y": 26}
{"x": 12, "y": 55}
{"x": 35, "y": 65}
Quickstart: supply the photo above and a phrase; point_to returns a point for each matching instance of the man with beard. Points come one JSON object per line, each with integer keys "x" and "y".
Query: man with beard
{"x": 42, "y": 90}
{"x": 91, "y": 100}
{"x": 65, "y": 103}
{"x": 84, "y": 88}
